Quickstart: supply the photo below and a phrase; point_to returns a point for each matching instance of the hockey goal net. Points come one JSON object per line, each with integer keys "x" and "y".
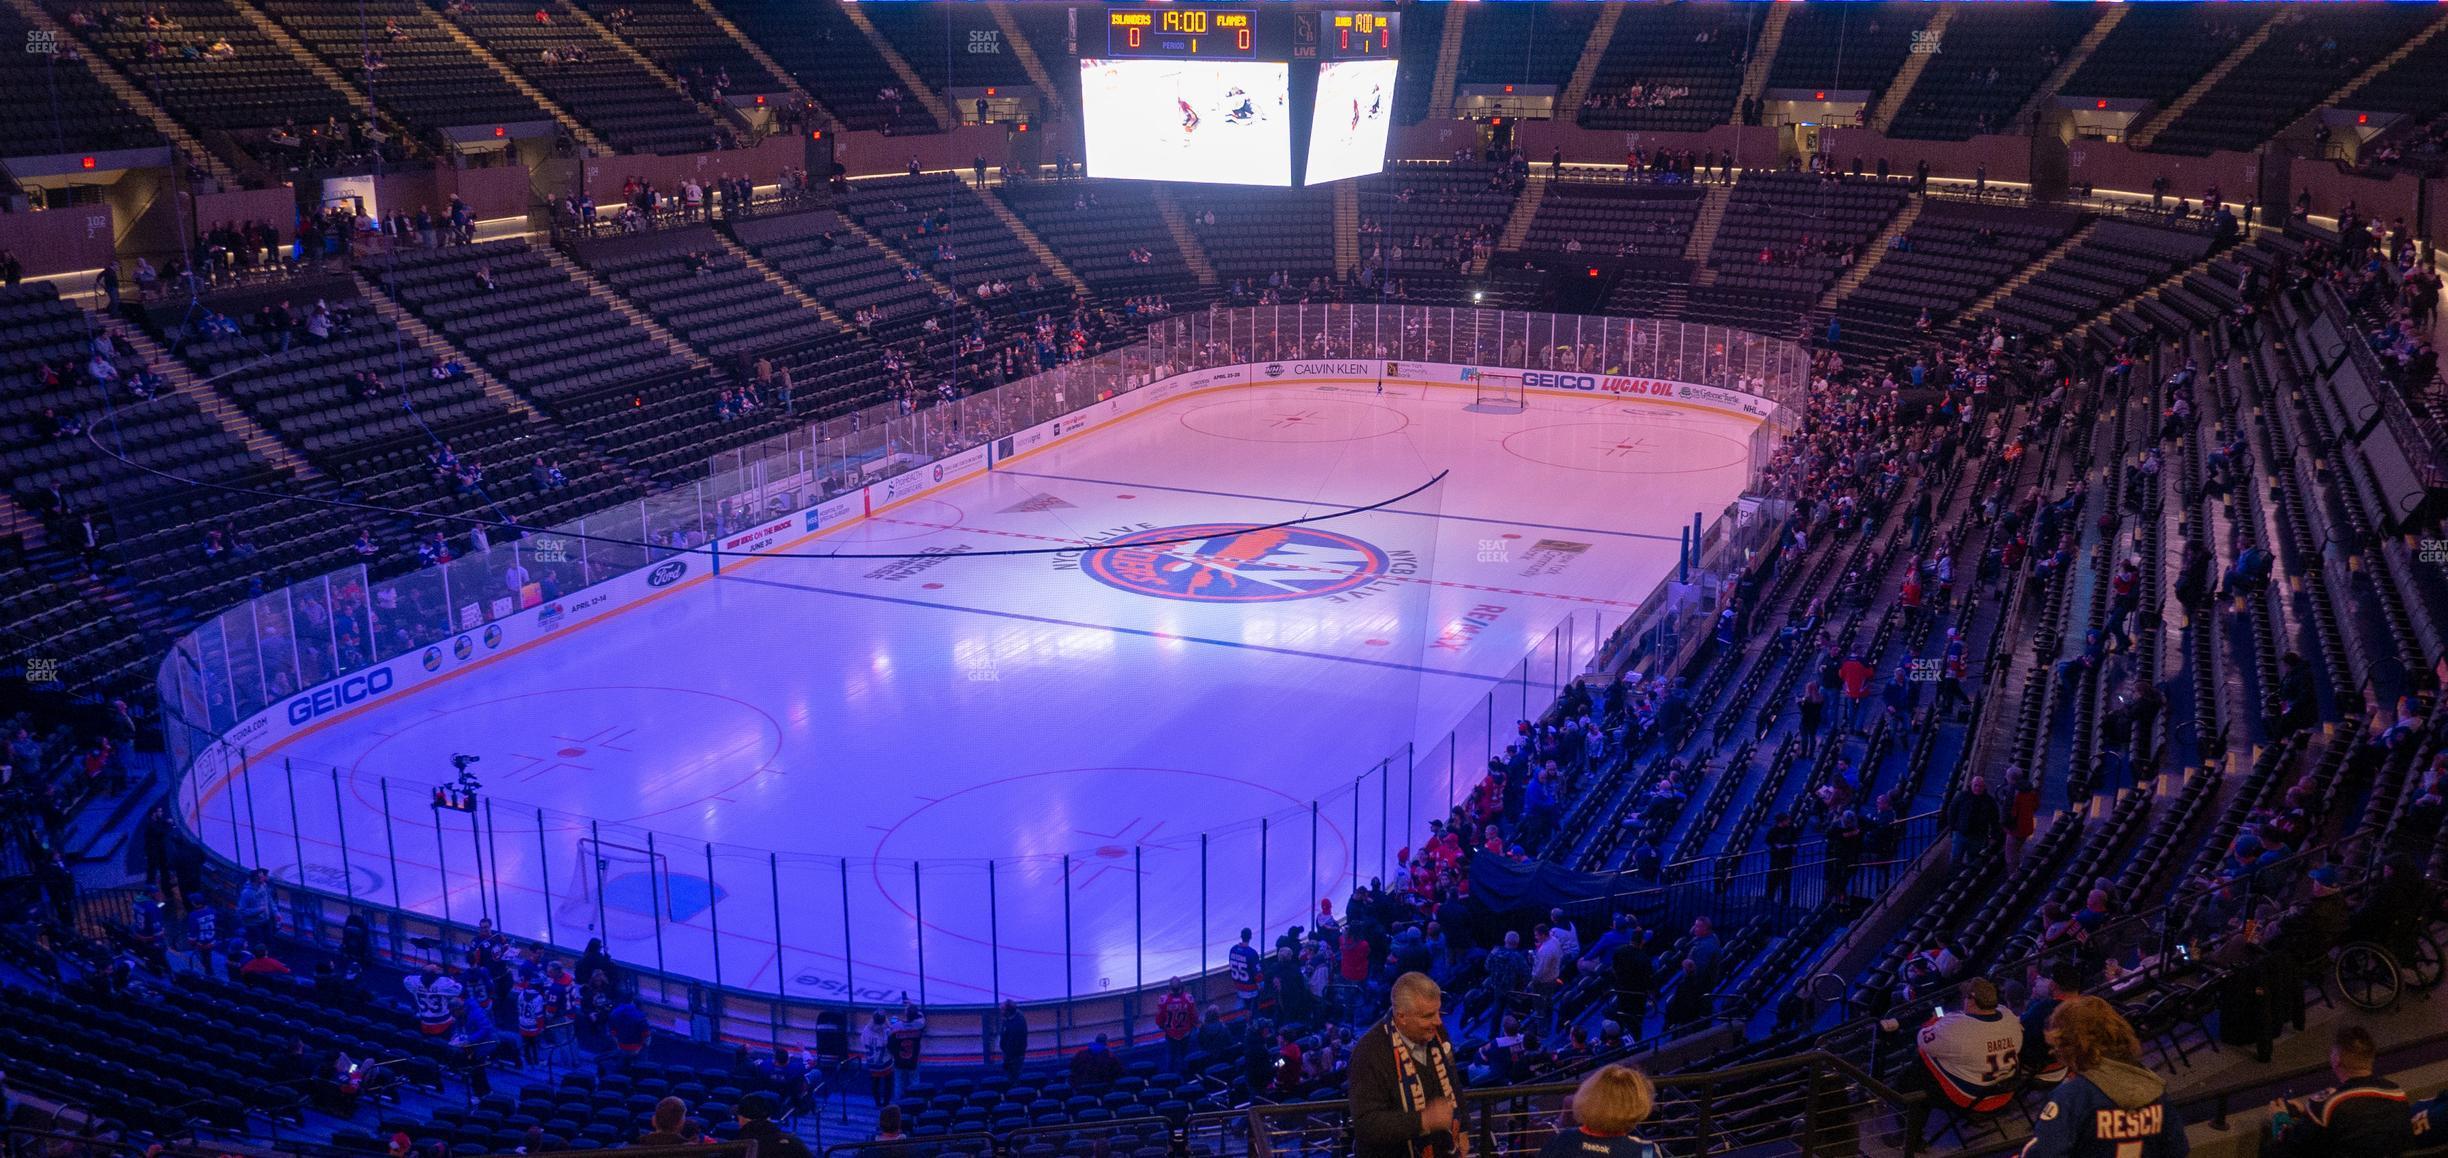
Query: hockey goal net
{"x": 620, "y": 892}
{"x": 1498, "y": 392}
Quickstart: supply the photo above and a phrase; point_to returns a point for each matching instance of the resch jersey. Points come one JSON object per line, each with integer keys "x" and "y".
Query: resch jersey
{"x": 1973, "y": 1057}
{"x": 2081, "y": 1121}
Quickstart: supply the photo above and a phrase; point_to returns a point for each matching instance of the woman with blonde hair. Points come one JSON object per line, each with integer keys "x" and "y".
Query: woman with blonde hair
{"x": 1608, "y": 1105}
{"x": 2110, "y": 1106}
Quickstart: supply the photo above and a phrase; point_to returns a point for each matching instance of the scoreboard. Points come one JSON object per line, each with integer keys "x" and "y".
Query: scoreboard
{"x": 1357, "y": 35}
{"x": 1180, "y": 33}
{"x": 1167, "y": 31}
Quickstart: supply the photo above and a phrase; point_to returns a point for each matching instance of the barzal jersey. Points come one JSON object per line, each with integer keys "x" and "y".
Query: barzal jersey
{"x": 432, "y": 997}
{"x": 1972, "y": 1057}
{"x": 2080, "y": 1121}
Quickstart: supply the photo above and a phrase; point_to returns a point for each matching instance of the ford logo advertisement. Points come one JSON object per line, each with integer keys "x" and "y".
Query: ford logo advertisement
{"x": 667, "y": 573}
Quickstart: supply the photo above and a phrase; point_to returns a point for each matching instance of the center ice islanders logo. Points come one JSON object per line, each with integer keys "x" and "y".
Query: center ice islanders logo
{"x": 1225, "y": 563}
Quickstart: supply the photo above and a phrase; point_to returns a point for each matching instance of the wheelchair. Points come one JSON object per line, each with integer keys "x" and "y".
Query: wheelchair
{"x": 2385, "y": 956}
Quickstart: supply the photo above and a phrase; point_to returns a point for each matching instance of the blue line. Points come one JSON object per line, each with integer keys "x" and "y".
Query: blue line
{"x": 1314, "y": 502}
{"x": 1141, "y": 632}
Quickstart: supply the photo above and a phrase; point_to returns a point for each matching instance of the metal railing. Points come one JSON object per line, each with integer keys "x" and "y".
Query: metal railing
{"x": 1810, "y": 1103}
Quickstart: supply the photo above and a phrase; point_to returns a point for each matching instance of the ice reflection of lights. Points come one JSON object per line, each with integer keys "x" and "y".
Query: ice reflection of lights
{"x": 880, "y": 663}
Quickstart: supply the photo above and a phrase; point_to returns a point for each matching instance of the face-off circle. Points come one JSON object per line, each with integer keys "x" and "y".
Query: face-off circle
{"x": 1230, "y": 563}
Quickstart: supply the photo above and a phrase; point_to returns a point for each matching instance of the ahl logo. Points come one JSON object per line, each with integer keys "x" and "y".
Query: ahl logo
{"x": 354, "y": 690}
{"x": 1274, "y": 370}
{"x": 433, "y": 659}
{"x": 492, "y": 636}
{"x": 463, "y": 647}
{"x": 1226, "y": 563}
{"x": 667, "y": 573}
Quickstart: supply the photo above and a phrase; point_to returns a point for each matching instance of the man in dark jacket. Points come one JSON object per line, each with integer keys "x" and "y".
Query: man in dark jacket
{"x": 1404, "y": 1081}
{"x": 1011, "y": 1038}
{"x": 2363, "y": 1116}
{"x": 1975, "y": 820}
{"x": 756, "y": 1125}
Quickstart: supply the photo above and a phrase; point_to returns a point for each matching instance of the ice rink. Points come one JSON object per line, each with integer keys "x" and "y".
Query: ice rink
{"x": 851, "y": 772}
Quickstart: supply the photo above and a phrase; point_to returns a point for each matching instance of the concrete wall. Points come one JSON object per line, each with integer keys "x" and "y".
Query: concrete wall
{"x": 59, "y": 240}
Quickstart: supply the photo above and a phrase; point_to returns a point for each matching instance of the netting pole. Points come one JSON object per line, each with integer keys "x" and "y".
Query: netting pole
{"x": 493, "y": 853}
{"x": 476, "y": 853}
{"x": 544, "y": 871}
{"x": 254, "y": 826}
{"x": 348, "y": 868}
{"x": 1130, "y": 1032}
{"x": 1385, "y": 796}
{"x": 1262, "y": 876}
{"x": 442, "y": 861}
{"x": 918, "y": 920}
{"x": 849, "y": 966}
{"x": 713, "y": 914}
{"x": 1410, "y": 787}
{"x": 1313, "y": 848}
{"x": 654, "y": 897}
{"x": 297, "y": 834}
{"x": 390, "y": 839}
{"x": 195, "y": 798}
{"x": 1066, "y": 894}
{"x": 1202, "y": 905}
{"x": 773, "y": 883}
{"x": 1357, "y": 785}
{"x": 994, "y": 933}
{"x": 603, "y": 923}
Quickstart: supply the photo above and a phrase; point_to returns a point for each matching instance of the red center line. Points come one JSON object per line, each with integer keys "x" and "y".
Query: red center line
{"x": 1445, "y": 583}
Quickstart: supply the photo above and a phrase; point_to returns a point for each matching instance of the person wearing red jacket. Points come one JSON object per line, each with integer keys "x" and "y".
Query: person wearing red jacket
{"x": 1177, "y": 1019}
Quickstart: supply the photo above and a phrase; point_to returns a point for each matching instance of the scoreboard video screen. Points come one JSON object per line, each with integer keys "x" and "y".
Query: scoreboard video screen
{"x": 1347, "y": 126}
{"x": 1222, "y": 122}
{"x": 1238, "y": 94}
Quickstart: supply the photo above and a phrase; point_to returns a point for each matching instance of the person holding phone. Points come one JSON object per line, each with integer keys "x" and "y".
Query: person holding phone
{"x": 1969, "y": 1057}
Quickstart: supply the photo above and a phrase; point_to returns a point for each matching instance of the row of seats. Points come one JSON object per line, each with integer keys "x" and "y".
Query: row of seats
{"x": 1698, "y": 48}
{"x": 2159, "y": 50}
{"x": 951, "y": 45}
{"x": 259, "y": 88}
{"x": 57, "y": 104}
{"x": 1780, "y": 213}
{"x": 2309, "y": 53}
{"x": 2117, "y": 260}
{"x": 1095, "y": 237}
{"x": 830, "y": 57}
{"x": 427, "y": 79}
{"x": 1614, "y": 220}
{"x": 1527, "y": 43}
{"x": 1847, "y": 46}
{"x": 608, "y": 92}
{"x": 1952, "y": 255}
{"x": 1990, "y": 61}
{"x": 939, "y": 222}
